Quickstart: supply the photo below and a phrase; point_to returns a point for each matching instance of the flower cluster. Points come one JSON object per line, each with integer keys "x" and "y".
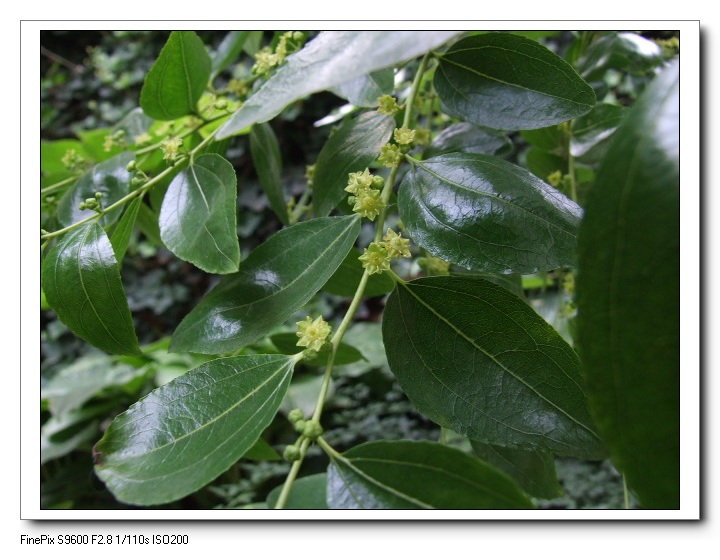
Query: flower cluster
{"x": 404, "y": 135}
{"x": 390, "y": 155}
{"x": 313, "y": 334}
{"x": 377, "y": 256}
{"x": 266, "y": 59}
{"x": 171, "y": 148}
{"x": 387, "y": 105}
{"x": 72, "y": 160}
{"x": 366, "y": 196}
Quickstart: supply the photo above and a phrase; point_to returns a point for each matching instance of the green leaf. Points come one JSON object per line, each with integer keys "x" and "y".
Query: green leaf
{"x": 80, "y": 381}
{"x": 626, "y": 51}
{"x": 183, "y": 435}
{"x": 533, "y": 470}
{"x": 228, "y": 51}
{"x": 268, "y": 164}
{"x": 543, "y": 164}
{"x": 51, "y": 155}
{"x": 120, "y": 237}
{"x": 345, "y": 354}
{"x": 82, "y": 284}
{"x": 110, "y": 178}
{"x": 466, "y": 137}
{"x": 594, "y": 128}
{"x": 548, "y": 138}
{"x": 477, "y": 359}
{"x": 628, "y": 294}
{"x": 330, "y": 59}
{"x": 177, "y": 79}
{"x": 275, "y": 280}
{"x": 508, "y": 82}
{"x": 364, "y": 91}
{"x": 134, "y": 124}
{"x": 262, "y": 451}
{"x": 198, "y": 217}
{"x": 62, "y": 434}
{"x": 417, "y": 475}
{"x": 347, "y": 277}
{"x": 488, "y": 215}
{"x": 306, "y": 493}
{"x": 353, "y": 147}
{"x": 147, "y": 220}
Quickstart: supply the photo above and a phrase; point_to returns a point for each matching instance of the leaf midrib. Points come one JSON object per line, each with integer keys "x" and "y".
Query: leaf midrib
{"x": 498, "y": 363}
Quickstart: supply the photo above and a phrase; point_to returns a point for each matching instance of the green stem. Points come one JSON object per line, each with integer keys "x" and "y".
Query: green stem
{"x": 626, "y": 493}
{"x": 300, "y": 207}
{"x": 292, "y": 475}
{"x": 59, "y": 185}
{"x": 414, "y": 89}
{"x": 352, "y": 309}
{"x": 327, "y": 448}
{"x": 127, "y": 198}
{"x": 571, "y": 172}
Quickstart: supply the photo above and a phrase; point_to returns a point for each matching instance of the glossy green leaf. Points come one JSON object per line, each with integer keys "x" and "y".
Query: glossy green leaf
{"x": 508, "y": 82}
{"x": 488, "y": 215}
{"x": 418, "y": 475}
{"x": 306, "y": 493}
{"x": 198, "y": 217}
{"x": 477, "y": 359}
{"x": 268, "y": 165}
{"x": 186, "y": 433}
{"x": 628, "y": 295}
{"x": 627, "y": 51}
{"x": 345, "y": 354}
{"x": 595, "y": 127}
{"x": 330, "y": 59}
{"x": 82, "y": 284}
{"x": 110, "y": 177}
{"x": 347, "y": 277}
{"x": 364, "y": 91}
{"x": 275, "y": 280}
{"x": 534, "y": 471}
{"x": 122, "y": 233}
{"x": 228, "y": 51}
{"x": 351, "y": 148}
{"x": 467, "y": 137}
{"x": 177, "y": 79}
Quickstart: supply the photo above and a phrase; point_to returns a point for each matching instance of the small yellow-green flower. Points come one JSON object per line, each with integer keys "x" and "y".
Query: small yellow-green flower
{"x": 359, "y": 182}
{"x": 395, "y": 244}
{"x": 72, "y": 160}
{"x": 142, "y": 139}
{"x": 313, "y": 334}
{"x": 375, "y": 258}
{"x": 555, "y": 178}
{"x": 387, "y": 105}
{"x": 369, "y": 204}
{"x": 404, "y": 135}
{"x": 171, "y": 148}
{"x": 390, "y": 155}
